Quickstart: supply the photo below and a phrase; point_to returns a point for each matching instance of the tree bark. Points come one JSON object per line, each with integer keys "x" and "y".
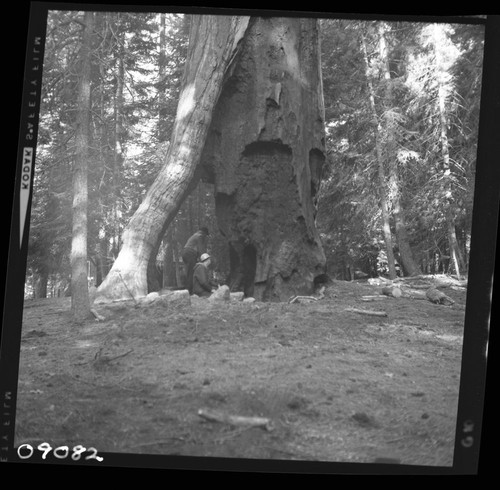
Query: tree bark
{"x": 213, "y": 44}
{"x": 101, "y": 257}
{"x": 454, "y": 249}
{"x": 40, "y": 280}
{"x": 265, "y": 153}
{"x": 455, "y": 253}
{"x": 162, "y": 62}
{"x": 410, "y": 267}
{"x": 168, "y": 273}
{"x": 386, "y": 228}
{"x": 119, "y": 75}
{"x": 390, "y": 125}
{"x": 80, "y": 304}
{"x": 408, "y": 263}
{"x": 169, "y": 266}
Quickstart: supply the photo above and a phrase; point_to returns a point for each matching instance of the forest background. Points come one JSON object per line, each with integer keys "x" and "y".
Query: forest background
{"x": 402, "y": 112}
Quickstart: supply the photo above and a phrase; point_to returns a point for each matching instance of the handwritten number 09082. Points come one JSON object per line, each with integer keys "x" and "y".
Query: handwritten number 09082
{"x": 60, "y": 452}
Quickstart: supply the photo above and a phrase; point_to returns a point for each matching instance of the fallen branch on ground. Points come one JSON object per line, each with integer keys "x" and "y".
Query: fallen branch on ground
{"x": 100, "y": 359}
{"x": 213, "y": 416}
{"x": 297, "y": 299}
{"x": 376, "y": 281}
{"x": 367, "y": 312}
{"x": 160, "y": 442}
{"x": 98, "y": 317}
{"x": 373, "y": 298}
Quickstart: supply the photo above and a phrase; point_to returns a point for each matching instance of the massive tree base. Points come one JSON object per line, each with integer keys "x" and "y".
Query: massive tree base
{"x": 213, "y": 44}
{"x": 265, "y": 151}
{"x": 251, "y": 121}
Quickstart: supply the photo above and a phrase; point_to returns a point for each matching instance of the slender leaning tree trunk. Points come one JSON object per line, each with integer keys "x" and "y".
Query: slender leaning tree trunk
{"x": 80, "y": 304}
{"x": 153, "y": 275}
{"x": 213, "y": 44}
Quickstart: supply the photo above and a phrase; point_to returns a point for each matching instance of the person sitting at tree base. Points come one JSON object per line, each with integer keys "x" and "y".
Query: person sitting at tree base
{"x": 202, "y": 285}
{"x": 194, "y": 248}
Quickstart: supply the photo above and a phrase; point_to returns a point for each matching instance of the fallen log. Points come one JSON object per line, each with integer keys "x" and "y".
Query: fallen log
{"x": 438, "y": 297}
{"x": 436, "y": 281}
{"x": 373, "y": 298}
{"x": 419, "y": 286}
{"x": 377, "y": 281}
{"x": 414, "y": 295}
{"x": 238, "y": 420}
{"x": 392, "y": 291}
{"x": 367, "y": 312}
{"x": 417, "y": 277}
{"x": 447, "y": 282}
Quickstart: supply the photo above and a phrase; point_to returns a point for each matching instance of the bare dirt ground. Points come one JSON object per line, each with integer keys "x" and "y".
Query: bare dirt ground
{"x": 332, "y": 384}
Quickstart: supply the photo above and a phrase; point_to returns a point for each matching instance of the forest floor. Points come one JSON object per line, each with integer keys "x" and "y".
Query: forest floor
{"x": 318, "y": 381}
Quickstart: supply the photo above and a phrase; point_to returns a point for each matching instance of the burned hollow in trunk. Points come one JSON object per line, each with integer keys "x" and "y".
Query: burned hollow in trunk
{"x": 264, "y": 153}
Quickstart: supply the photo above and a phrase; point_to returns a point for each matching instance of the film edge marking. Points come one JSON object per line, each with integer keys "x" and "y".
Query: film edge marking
{"x": 25, "y": 189}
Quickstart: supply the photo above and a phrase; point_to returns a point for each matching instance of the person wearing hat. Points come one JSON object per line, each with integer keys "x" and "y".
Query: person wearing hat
{"x": 194, "y": 248}
{"x": 202, "y": 285}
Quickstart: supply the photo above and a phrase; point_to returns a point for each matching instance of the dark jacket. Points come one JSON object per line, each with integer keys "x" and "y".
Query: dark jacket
{"x": 201, "y": 280}
{"x": 198, "y": 242}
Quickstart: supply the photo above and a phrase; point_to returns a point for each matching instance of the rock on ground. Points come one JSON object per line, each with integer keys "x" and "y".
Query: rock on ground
{"x": 220, "y": 294}
{"x": 150, "y": 298}
{"x": 180, "y": 297}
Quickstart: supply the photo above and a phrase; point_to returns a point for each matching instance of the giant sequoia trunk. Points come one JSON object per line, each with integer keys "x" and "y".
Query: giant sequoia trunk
{"x": 252, "y": 116}
{"x": 212, "y": 46}
{"x": 264, "y": 152}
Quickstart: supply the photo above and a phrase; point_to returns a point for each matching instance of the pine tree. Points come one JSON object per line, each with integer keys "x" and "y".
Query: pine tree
{"x": 80, "y": 304}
